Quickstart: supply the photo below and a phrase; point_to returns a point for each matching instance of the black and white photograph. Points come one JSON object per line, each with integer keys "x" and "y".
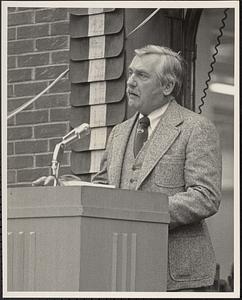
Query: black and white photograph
{"x": 120, "y": 149}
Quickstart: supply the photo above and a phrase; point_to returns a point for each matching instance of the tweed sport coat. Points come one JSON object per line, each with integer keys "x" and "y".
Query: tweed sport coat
{"x": 183, "y": 160}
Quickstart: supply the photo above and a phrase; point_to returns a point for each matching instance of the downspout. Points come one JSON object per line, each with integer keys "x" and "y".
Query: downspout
{"x": 191, "y": 22}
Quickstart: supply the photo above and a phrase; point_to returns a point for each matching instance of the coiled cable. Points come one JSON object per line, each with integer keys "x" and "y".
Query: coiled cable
{"x": 214, "y": 60}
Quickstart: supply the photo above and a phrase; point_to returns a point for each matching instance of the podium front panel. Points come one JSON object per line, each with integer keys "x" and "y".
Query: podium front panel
{"x": 43, "y": 254}
{"x": 131, "y": 255}
{"x": 86, "y": 239}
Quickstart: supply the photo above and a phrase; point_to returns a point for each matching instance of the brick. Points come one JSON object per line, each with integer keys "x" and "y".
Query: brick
{"x": 19, "y": 75}
{"x": 61, "y": 86}
{"x": 50, "y": 130}
{"x": 47, "y": 101}
{"x": 28, "y": 175}
{"x": 25, "y": 32}
{"x": 59, "y": 28}
{"x": 51, "y": 15}
{"x": 44, "y": 160}
{"x": 10, "y": 148}
{"x": 10, "y": 90}
{"x": 11, "y": 176}
{"x": 33, "y": 146}
{"x": 18, "y": 47}
{"x": 11, "y": 121}
{"x": 60, "y": 57}
{"x": 11, "y": 33}
{"x": 32, "y": 60}
{"x": 15, "y": 103}
{"x": 32, "y": 117}
{"x": 18, "y": 133}
{"x": 11, "y": 9}
{"x": 60, "y": 114}
{"x": 52, "y": 43}
{"x": 55, "y": 141}
{"x": 12, "y": 62}
{"x": 20, "y": 18}
{"x": 29, "y": 89}
{"x": 20, "y": 162}
{"x": 51, "y": 72}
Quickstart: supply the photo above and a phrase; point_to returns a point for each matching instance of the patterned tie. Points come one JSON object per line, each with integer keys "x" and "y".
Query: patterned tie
{"x": 141, "y": 134}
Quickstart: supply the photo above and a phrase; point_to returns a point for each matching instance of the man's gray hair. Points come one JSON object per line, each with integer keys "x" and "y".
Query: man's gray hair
{"x": 170, "y": 69}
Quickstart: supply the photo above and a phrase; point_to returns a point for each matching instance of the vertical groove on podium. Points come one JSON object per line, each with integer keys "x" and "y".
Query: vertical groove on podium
{"x": 133, "y": 262}
{"x": 18, "y": 262}
{"x": 29, "y": 278}
{"x": 124, "y": 261}
{"x": 114, "y": 261}
{"x": 10, "y": 261}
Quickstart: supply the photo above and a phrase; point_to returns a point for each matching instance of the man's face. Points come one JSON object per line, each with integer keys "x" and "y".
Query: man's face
{"x": 144, "y": 90}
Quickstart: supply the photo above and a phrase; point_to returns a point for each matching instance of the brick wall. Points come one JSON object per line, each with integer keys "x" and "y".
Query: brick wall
{"x": 38, "y": 52}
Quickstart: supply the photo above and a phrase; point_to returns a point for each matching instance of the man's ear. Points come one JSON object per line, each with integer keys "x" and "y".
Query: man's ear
{"x": 168, "y": 88}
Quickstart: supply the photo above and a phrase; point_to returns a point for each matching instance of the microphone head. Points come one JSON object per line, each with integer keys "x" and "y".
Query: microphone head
{"x": 82, "y": 128}
{"x": 76, "y": 133}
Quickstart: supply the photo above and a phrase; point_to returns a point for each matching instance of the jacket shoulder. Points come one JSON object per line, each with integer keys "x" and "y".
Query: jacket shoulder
{"x": 192, "y": 118}
{"x": 124, "y": 124}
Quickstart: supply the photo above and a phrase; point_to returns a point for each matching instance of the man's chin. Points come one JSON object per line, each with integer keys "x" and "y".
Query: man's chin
{"x": 133, "y": 103}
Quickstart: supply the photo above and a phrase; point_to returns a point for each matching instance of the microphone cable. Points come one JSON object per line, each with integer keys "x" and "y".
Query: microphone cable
{"x": 214, "y": 60}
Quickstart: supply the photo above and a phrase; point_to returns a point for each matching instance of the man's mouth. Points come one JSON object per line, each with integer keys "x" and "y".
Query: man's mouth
{"x": 132, "y": 94}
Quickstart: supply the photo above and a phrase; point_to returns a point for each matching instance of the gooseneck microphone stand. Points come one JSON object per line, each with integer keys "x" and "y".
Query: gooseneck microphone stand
{"x": 72, "y": 136}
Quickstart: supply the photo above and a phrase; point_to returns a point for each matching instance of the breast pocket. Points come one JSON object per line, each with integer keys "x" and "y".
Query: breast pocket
{"x": 169, "y": 172}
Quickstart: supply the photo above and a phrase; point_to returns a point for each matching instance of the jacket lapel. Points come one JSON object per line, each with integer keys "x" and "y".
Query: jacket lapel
{"x": 163, "y": 137}
{"x": 121, "y": 139}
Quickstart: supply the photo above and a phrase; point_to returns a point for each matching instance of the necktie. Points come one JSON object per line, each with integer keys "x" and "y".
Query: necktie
{"x": 141, "y": 134}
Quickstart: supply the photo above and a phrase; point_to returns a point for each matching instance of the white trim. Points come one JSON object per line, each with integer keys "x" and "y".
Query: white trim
{"x": 98, "y": 115}
{"x": 96, "y": 24}
{"x": 97, "y": 92}
{"x": 98, "y": 138}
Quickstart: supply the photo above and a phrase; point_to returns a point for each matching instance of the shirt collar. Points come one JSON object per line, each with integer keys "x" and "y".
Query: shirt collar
{"x": 155, "y": 115}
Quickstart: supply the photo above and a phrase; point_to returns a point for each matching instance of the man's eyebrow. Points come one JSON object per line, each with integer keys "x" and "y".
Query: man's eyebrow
{"x": 142, "y": 71}
{"x": 138, "y": 70}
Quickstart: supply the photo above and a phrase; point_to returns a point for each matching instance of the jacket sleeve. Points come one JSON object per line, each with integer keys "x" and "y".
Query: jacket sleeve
{"x": 202, "y": 174}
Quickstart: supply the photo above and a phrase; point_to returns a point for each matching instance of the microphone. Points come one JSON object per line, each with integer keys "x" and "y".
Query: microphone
{"x": 75, "y": 134}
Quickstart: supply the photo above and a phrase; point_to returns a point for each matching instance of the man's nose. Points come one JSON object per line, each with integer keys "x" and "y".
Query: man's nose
{"x": 131, "y": 80}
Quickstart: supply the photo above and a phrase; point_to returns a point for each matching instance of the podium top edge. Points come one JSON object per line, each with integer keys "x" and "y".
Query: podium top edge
{"x": 86, "y": 198}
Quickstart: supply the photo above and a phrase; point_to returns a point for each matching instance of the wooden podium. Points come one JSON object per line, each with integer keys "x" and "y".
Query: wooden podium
{"x": 86, "y": 239}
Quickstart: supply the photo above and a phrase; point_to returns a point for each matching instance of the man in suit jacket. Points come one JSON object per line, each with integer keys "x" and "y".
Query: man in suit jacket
{"x": 181, "y": 158}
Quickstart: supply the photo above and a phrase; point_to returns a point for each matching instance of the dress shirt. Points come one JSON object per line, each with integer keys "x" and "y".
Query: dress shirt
{"x": 154, "y": 117}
